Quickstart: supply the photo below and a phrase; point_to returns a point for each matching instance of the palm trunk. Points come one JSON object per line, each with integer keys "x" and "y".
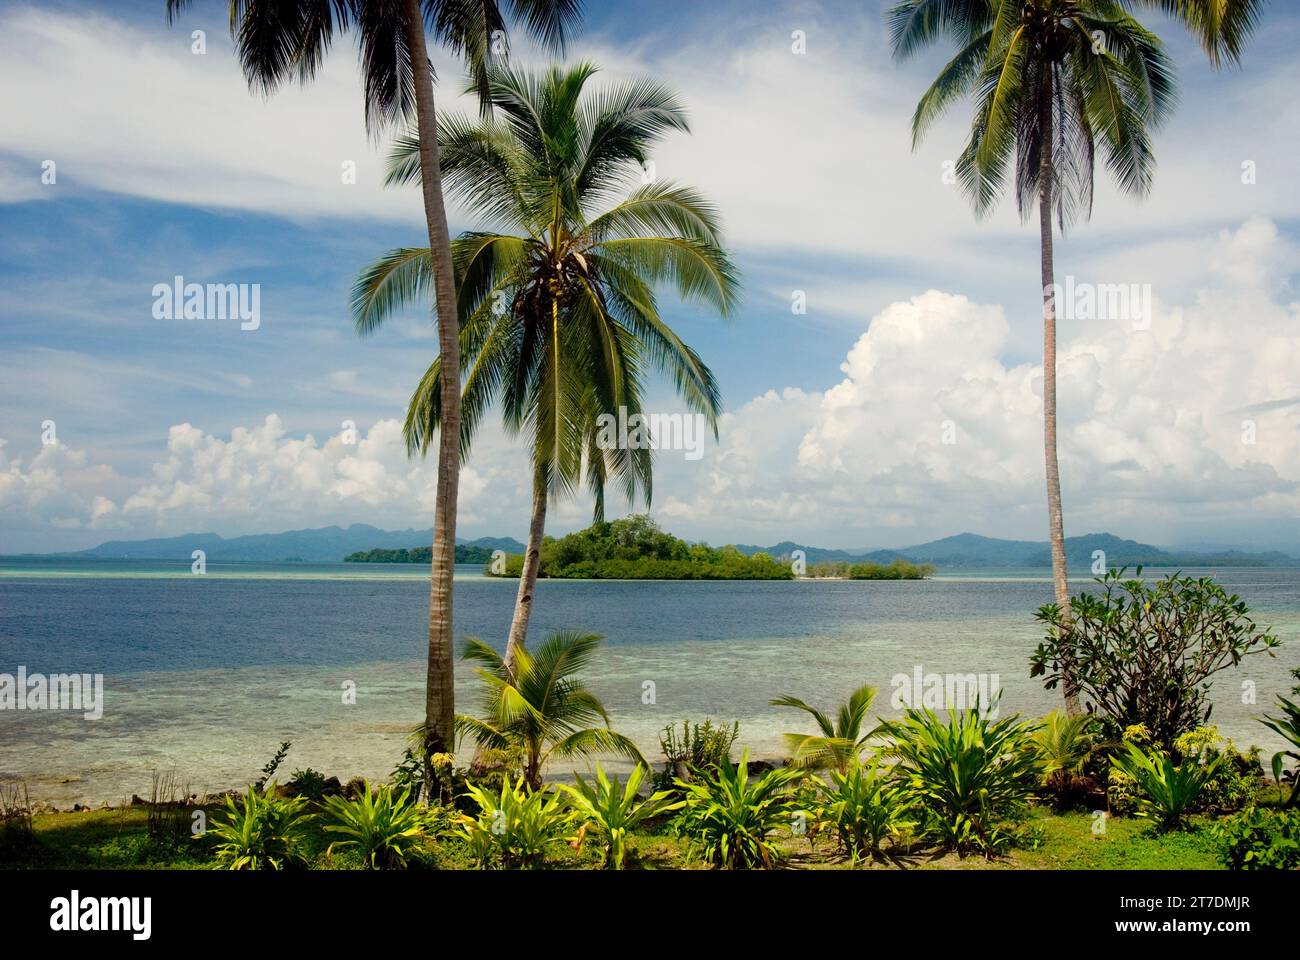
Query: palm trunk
{"x": 439, "y": 696}
{"x": 1056, "y": 526}
{"x": 528, "y": 576}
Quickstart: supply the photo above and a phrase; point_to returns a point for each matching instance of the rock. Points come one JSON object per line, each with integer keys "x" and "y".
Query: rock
{"x": 137, "y": 800}
{"x": 332, "y": 787}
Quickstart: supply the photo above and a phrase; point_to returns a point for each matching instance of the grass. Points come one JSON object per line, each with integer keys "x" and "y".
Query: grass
{"x": 117, "y": 839}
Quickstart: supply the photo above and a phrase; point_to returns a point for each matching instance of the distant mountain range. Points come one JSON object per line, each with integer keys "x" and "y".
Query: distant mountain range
{"x": 324, "y": 545}
{"x": 972, "y": 550}
{"x": 332, "y": 544}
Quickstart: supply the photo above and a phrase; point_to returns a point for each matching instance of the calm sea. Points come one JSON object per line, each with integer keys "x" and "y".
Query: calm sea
{"x": 205, "y": 675}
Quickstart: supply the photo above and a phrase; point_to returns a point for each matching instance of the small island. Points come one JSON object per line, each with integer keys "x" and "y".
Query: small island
{"x": 898, "y": 569}
{"x": 634, "y": 548}
{"x": 464, "y": 554}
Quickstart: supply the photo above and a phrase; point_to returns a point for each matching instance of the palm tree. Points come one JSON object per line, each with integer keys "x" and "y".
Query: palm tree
{"x": 1065, "y": 744}
{"x": 540, "y": 706}
{"x": 278, "y": 41}
{"x": 559, "y": 316}
{"x": 841, "y": 741}
{"x": 1053, "y": 80}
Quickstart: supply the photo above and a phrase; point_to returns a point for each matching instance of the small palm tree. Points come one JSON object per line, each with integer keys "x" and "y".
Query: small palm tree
{"x": 841, "y": 741}
{"x": 1054, "y": 81}
{"x": 539, "y": 705}
{"x": 559, "y": 316}
{"x": 1287, "y": 726}
{"x": 281, "y": 41}
{"x": 1064, "y": 744}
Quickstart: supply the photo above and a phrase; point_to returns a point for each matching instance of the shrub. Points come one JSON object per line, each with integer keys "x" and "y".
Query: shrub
{"x": 1258, "y": 839}
{"x": 971, "y": 776}
{"x": 308, "y": 784}
{"x": 1287, "y": 727}
{"x": 1166, "y": 791}
{"x": 167, "y": 817}
{"x": 699, "y": 747}
{"x": 273, "y": 764}
{"x": 731, "y": 820}
{"x": 16, "y": 828}
{"x": 1065, "y": 746}
{"x": 840, "y": 741}
{"x": 1145, "y": 654}
{"x": 1234, "y": 783}
{"x": 516, "y": 826}
{"x": 612, "y": 810}
{"x": 384, "y": 826}
{"x": 863, "y": 807}
{"x": 264, "y": 832}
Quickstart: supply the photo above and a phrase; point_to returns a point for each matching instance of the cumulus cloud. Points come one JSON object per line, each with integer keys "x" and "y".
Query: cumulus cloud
{"x": 929, "y": 430}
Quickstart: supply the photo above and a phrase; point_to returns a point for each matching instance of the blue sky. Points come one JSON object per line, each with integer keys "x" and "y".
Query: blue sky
{"x": 918, "y": 316}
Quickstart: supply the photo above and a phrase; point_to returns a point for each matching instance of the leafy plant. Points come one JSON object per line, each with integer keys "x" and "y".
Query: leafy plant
{"x": 273, "y": 764}
{"x": 17, "y": 830}
{"x": 970, "y": 775}
{"x": 864, "y": 807}
{"x": 841, "y": 740}
{"x": 1166, "y": 790}
{"x": 515, "y": 826}
{"x": 700, "y": 746}
{"x": 1287, "y": 727}
{"x": 384, "y": 826}
{"x": 1145, "y": 653}
{"x": 1259, "y": 839}
{"x": 541, "y": 705}
{"x": 1065, "y": 745}
{"x": 731, "y": 820}
{"x": 309, "y": 784}
{"x": 264, "y": 832}
{"x": 1234, "y": 783}
{"x": 612, "y": 810}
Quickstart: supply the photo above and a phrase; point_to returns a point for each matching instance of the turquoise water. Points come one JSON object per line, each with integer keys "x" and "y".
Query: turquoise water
{"x": 207, "y": 674}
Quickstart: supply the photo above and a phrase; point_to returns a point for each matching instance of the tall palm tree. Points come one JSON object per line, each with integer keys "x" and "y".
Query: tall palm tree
{"x": 280, "y": 40}
{"x": 1053, "y": 80}
{"x": 841, "y": 741}
{"x": 559, "y": 316}
{"x": 540, "y": 706}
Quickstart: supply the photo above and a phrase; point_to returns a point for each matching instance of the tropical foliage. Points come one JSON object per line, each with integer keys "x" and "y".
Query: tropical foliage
{"x": 262, "y": 832}
{"x": 540, "y": 705}
{"x": 1260, "y": 839}
{"x": 863, "y": 807}
{"x": 610, "y": 810}
{"x": 1288, "y": 727}
{"x": 699, "y": 746}
{"x": 1167, "y": 789}
{"x": 970, "y": 776}
{"x": 1144, "y": 653}
{"x": 1065, "y": 745}
{"x": 384, "y": 826}
{"x": 516, "y": 826}
{"x": 730, "y": 820}
{"x": 841, "y": 741}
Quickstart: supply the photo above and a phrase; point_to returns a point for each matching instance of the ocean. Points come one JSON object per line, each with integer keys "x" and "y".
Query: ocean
{"x": 206, "y": 674}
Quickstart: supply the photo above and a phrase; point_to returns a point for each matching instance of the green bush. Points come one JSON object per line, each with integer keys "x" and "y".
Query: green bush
{"x": 384, "y": 826}
{"x": 515, "y": 826}
{"x": 309, "y": 784}
{"x": 731, "y": 820}
{"x": 971, "y": 777}
{"x": 700, "y": 746}
{"x": 1145, "y": 653}
{"x": 1166, "y": 790}
{"x": 264, "y": 832}
{"x": 1234, "y": 783}
{"x": 863, "y": 808}
{"x": 1259, "y": 839}
{"x": 1066, "y": 746}
{"x": 1288, "y": 727}
{"x": 612, "y": 810}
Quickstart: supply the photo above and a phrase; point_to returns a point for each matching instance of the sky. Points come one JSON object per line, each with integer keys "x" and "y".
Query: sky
{"x": 901, "y": 403}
